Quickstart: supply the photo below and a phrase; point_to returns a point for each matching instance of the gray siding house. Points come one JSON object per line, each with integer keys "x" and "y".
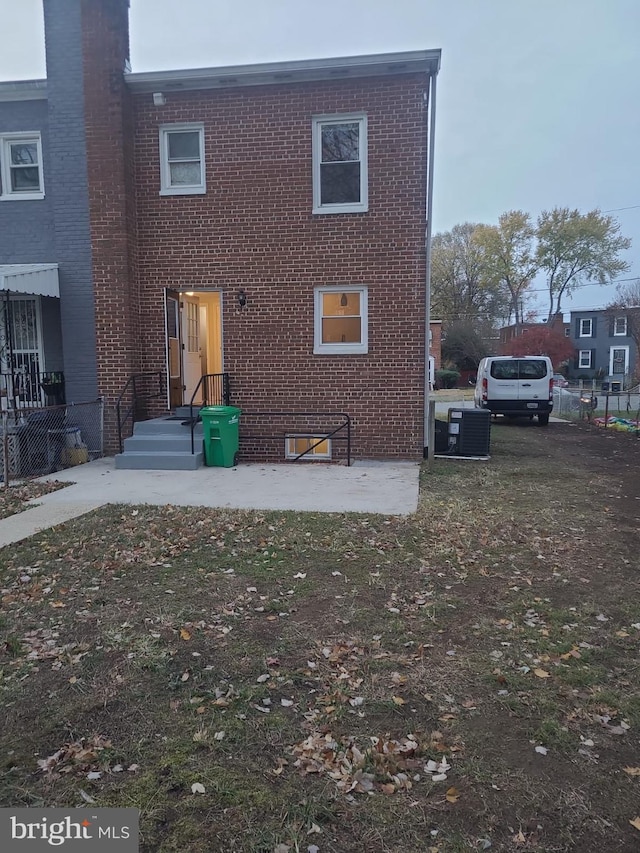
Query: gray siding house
{"x": 47, "y": 312}
{"x": 605, "y": 348}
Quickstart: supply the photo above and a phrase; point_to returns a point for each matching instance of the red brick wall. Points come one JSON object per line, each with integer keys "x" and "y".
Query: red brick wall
{"x": 254, "y": 229}
{"x": 109, "y": 135}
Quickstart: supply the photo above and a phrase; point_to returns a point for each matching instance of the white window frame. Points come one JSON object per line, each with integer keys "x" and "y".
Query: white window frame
{"x": 318, "y": 122}
{"x": 616, "y": 333}
{"x": 313, "y": 455}
{"x": 584, "y": 353}
{"x": 6, "y": 192}
{"x": 588, "y": 334}
{"x": 626, "y": 360}
{"x": 166, "y": 187}
{"x": 361, "y": 348}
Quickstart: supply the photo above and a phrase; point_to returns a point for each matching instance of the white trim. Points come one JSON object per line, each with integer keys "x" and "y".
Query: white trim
{"x": 296, "y": 71}
{"x": 6, "y": 192}
{"x": 318, "y": 122}
{"x": 313, "y": 455}
{"x": 626, "y": 360}
{"x": 616, "y": 333}
{"x": 166, "y": 187}
{"x": 588, "y": 334}
{"x": 360, "y": 348}
{"x": 587, "y": 353}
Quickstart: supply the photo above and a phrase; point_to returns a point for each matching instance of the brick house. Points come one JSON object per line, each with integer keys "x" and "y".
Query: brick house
{"x": 262, "y": 221}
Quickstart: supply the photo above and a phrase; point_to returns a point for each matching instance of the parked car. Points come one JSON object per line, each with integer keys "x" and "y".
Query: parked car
{"x": 516, "y": 386}
{"x": 560, "y": 381}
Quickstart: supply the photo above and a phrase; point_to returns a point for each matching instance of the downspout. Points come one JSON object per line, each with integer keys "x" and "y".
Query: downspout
{"x": 428, "y": 425}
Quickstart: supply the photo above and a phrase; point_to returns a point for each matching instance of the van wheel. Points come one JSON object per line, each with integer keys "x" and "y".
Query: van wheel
{"x": 543, "y": 420}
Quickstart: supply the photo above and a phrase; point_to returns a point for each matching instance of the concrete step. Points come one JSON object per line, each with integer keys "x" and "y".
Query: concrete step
{"x": 161, "y": 443}
{"x": 159, "y": 461}
{"x": 183, "y": 411}
{"x": 165, "y": 426}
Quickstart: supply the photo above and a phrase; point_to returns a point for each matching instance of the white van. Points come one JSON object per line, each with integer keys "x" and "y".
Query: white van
{"x": 516, "y": 386}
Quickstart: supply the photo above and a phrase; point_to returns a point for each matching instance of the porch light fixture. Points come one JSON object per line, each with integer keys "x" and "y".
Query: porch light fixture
{"x": 344, "y": 300}
{"x": 159, "y": 99}
{"x": 242, "y": 298}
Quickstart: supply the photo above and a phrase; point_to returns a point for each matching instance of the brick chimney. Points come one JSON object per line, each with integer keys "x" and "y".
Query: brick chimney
{"x": 109, "y": 143}
{"x": 90, "y": 182}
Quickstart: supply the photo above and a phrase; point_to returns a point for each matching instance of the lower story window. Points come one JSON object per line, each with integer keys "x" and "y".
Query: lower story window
{"x": 585, "y": 358}
{"x": 297, "y": 444}
{"x": 341, "y": 321}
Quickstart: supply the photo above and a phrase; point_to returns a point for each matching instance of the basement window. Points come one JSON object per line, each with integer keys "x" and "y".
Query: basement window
{"x": 297, "y": 444}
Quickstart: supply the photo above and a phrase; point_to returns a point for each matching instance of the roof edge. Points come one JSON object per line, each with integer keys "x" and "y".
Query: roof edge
{"x": 23, "y": 90}
{"x": 296, "y": 71}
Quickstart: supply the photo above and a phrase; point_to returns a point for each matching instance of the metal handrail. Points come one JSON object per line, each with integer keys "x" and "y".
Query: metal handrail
{"x": 136, "y": 399}
{"x": 208, "y": 381}
{"x": 343, "y": 426}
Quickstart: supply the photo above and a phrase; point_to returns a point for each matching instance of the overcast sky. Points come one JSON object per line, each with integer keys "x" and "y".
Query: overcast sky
{"x": 538, "y": 100}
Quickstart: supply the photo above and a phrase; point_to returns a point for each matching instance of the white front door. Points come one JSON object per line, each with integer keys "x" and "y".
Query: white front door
{"x": 191, "y": 356}
{"x": 619, "y": 360}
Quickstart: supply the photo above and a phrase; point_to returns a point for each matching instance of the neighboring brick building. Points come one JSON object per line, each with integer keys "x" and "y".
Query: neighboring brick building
{"x": 509, "y": 333}
{"x": 266, "y": 221}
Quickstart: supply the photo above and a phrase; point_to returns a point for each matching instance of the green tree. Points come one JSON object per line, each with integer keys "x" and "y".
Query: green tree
{"x": 460, "y": 286}
{"x": 574, "y": 248}
{"x": 508, "y": 256}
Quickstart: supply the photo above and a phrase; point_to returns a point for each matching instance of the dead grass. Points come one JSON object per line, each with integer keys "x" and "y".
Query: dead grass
{"x": 14, "y": 498}
{"x": 319, "y": 675}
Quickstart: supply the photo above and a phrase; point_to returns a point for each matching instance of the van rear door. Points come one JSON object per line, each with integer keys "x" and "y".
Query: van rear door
{"x": 533, "y": 379}
{"x": 506, "y": 372}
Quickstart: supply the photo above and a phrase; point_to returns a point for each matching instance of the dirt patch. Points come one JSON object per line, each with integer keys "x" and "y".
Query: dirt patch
{"x": 465, "y": 679}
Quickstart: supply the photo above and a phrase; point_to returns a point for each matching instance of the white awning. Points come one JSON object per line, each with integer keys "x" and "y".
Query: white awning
{"x": 32, "y": 279}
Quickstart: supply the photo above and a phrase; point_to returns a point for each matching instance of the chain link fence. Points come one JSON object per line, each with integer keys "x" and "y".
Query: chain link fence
{"x": 606, "y": 408}
{"x": 40, "y": 441}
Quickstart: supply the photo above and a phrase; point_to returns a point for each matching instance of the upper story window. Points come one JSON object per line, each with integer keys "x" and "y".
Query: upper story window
{"x": 620, "y": 326}
{"x": 182, "y": 159}
{"x": 341, "y": 321}
{"x": 340, "y": 164}
{"x": 21, "y": 167}
{"x": 586, "y": 327}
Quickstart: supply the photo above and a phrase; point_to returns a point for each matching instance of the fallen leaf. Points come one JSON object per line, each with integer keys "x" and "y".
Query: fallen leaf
{"x": 632, "y": 771}
{"x": 635, "y": 822}
{"x": 184, "y": 634}
{"x": 314, "y": 829}
{"x": 398, "y": 700}
{"x": 541, "y": 673}
{"x": 197, "y": 788}
{"x": 452, "y": 795}
{"x": 542, "y": 750}
{"x": 219, "y": 735}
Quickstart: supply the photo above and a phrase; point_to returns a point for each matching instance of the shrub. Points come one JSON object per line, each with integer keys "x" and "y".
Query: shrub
{"x": 447, "y": 378}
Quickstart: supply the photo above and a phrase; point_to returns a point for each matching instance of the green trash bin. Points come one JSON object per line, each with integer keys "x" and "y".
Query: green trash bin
{"x": 220, "y": 425}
